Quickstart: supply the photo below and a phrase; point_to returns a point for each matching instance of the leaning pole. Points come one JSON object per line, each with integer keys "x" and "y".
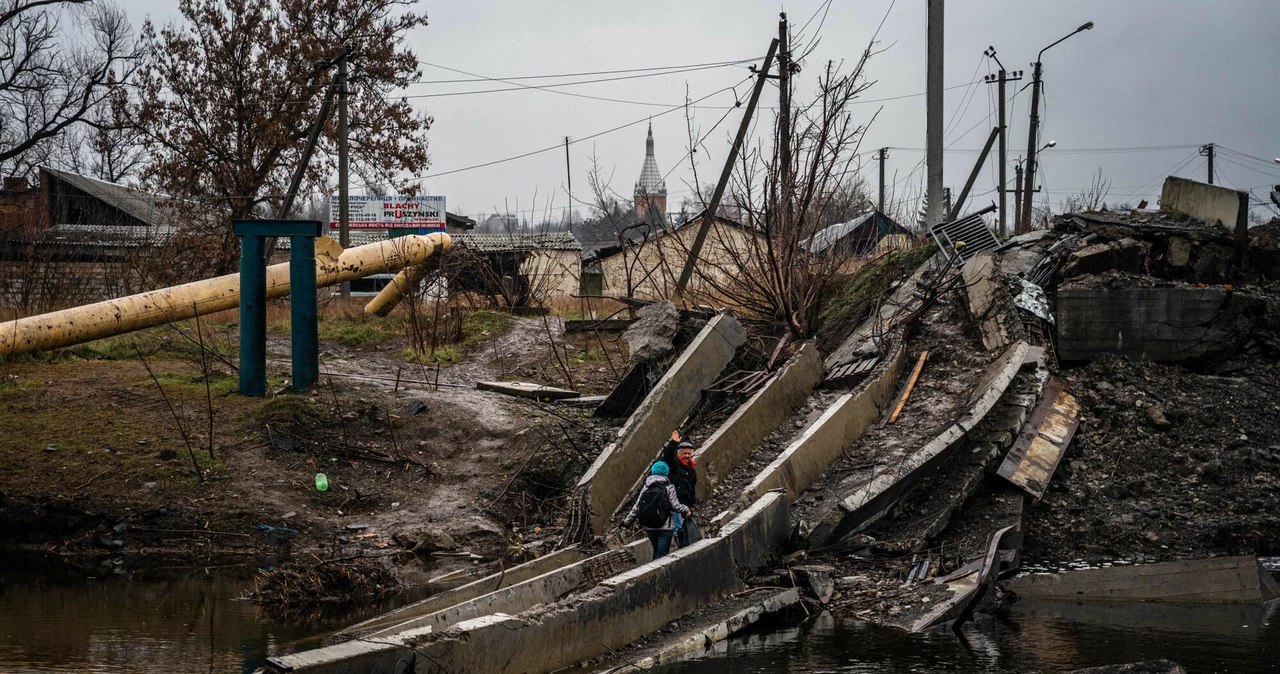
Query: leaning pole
{"x": 126, "y": 314}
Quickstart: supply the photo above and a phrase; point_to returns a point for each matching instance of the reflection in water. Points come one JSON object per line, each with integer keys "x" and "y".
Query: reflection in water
{"x": 54, "y": 619}
{"x": 1035, "y": 637}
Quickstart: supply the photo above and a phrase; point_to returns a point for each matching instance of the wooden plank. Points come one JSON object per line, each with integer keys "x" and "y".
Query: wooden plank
{"x": 911, "y": 383}
{"x": 1036, "y": 453}
{"x": 527, "y": 390}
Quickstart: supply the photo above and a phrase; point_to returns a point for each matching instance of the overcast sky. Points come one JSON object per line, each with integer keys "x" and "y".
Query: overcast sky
{"x": 1151, "y": 73}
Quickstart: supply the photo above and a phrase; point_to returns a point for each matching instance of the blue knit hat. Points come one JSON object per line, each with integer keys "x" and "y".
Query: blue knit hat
{"x": 660, "y": 468}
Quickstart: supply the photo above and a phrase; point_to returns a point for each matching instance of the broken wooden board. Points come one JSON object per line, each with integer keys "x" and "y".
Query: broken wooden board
{"x": 1222, "y": 580}
{"x": 1034, "y": 457}
{"x": 527, "y": 390}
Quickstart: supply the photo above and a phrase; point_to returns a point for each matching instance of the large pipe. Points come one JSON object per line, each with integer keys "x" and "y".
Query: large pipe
{"x": 113, "y": 317}
{"x": 393, "y": 292}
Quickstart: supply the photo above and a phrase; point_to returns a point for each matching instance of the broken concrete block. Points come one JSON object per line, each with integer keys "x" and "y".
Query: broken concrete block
{"x": 820, "y": 580}
{"x": 1161, "y": 324}
{"x": 651, "y": 336}
{"x": 1127, "y": 255}
{"x": 1221, "y": 580}
{"x": 1208, "y": 203}
{"x": 1179, "y": 252}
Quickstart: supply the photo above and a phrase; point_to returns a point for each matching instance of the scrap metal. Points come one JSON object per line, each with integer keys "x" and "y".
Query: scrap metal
{"x": 1034, "y": 456}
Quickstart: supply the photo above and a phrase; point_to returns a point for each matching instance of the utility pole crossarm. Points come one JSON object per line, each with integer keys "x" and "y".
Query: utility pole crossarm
{"x": 710, "y": 213}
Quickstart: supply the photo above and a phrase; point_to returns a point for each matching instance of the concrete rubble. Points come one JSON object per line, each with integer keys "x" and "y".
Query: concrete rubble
{"x": 1036, "y": 456}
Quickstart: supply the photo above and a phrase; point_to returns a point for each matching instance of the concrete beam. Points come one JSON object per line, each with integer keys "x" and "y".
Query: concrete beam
{"x": 463, "y": 593}
{"x": 826, "y": 438}
{"x": 1210, "y": 203}
{"x": 760, "y": 416}
{"x": 1222, "y": 580}
{"x": 608, "y": 481}
{"x": 860, "y": 342}
{"x": 990, "y": 303}
{"x": 1162, "y": 324}
{"x": 871, "y": 501}
{"x": 615, "y": 613}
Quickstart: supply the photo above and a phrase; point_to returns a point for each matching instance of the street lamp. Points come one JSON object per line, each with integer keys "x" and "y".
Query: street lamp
{"x": 1025, "y": 220}
{"x": 1047, "y": 145}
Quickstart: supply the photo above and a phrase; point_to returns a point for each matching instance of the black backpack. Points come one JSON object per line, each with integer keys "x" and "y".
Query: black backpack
{"x": 655, "y": 506}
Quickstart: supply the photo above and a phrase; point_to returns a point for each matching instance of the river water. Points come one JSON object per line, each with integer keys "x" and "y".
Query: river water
{"x": 57, "y": 618}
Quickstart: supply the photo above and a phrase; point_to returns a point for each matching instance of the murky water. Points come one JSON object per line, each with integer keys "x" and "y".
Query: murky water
{"x": 1035, "y": 637}
{"x": 57, "y": 618}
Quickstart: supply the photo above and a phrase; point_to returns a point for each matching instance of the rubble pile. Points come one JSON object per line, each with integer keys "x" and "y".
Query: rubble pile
{"x": 1167, "y": 464}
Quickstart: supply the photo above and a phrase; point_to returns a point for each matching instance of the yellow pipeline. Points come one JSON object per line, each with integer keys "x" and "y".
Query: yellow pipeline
{"x": 157, "y": 307}
{"x": 393, "y": 292}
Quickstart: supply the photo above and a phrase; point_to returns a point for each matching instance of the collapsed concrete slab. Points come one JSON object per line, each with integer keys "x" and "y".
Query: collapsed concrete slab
{"x": 755, "y": 419}
{"x": 796, "y": 468}
{"x": 869, "y": 502}
{"x": 991, "y": 302}
{"x": 1210, "y": 203}
{"x": 615, "y": 613}
{"x": 1126, "y": 255}
{"x": 609, "y": 479}
{"x": 464, "y": 593}
{"x": 1222, "y": 580}
{"x": 1162, "y": 324}
{"x": 863, "y": 341}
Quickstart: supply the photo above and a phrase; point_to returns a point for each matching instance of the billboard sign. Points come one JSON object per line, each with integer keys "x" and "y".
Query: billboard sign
{"x": 391, "y": 212}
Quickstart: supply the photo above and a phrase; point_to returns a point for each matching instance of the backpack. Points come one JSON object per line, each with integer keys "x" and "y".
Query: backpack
{"x": 655, "y": 506}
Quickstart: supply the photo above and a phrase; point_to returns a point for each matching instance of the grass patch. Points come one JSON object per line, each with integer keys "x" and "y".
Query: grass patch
{"x": 457, "y": 336}
{"x": 853, "y": 298}
{"x": 189, "y": 383}
{"x": 290, "y": 413}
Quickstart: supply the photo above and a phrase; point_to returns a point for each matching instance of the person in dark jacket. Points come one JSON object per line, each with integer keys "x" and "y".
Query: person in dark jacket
{"x": 659, "y": 537}
{"x": 678, "y": 454}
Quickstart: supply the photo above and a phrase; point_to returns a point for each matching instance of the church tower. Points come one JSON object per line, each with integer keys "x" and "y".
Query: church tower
{"x": 651, "y": 189}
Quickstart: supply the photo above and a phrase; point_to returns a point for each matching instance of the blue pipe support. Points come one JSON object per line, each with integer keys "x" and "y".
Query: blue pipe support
{"x": 303, "y": 313}
{"x": 253, "y": 317}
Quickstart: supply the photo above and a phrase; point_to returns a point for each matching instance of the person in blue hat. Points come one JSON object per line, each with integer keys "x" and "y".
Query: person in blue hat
{"x": 655, "y": 507}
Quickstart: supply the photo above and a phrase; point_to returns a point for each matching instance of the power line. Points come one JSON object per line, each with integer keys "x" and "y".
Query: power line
{"x": 481, "y": 78}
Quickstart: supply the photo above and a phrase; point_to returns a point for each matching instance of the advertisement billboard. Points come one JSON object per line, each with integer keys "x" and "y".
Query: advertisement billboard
{"x": 391, "y": 212}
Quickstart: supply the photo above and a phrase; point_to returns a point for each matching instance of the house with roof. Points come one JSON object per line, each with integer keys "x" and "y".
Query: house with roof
{"x": 515, "y": 269}
{"x": 868, "y": 234}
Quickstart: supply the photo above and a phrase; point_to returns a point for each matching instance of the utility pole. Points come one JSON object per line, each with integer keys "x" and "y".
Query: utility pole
{"x": 1000, "y": 78}
{"x": 344, "y": 212}
{"x": 1024, "y": 221}
{"x": 933, "y": 119}
{"x": 569, "y": 177}
{"x": 1017, "y": 198}
{"x": 784, "y": 118}
{"x": 881, "y": 154}
{"x": 1207, "y": 151}
{"x": 1030, "y": 180}
{"x": 712, "y": 206}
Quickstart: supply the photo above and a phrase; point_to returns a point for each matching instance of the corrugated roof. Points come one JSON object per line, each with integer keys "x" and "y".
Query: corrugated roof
{"x": 498, "y": 243}
{"x": 153, "y": 209}
{"x": 128, "y": 236}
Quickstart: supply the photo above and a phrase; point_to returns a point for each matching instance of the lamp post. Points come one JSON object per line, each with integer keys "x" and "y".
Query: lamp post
{"x": 1025, "y": 220}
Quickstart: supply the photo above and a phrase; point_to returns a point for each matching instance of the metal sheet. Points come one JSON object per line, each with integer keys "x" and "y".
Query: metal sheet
{"x": 1034, "y": 457}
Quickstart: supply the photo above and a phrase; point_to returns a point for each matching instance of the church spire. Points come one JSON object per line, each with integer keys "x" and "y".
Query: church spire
{"x": 651, "y": 185}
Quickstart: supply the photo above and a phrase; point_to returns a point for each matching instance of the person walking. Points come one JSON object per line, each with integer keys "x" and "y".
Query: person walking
{"x": 678, "y": 455}
{"x": 656, "y": 508}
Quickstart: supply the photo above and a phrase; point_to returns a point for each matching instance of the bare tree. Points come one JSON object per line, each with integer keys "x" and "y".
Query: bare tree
{"x": 52, "y": 77}
{"x": 1092, "y": 198}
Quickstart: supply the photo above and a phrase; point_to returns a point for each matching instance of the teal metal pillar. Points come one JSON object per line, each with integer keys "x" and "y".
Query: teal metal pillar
{"x": 303, "y": 313}
{"x": 253, "y": 301}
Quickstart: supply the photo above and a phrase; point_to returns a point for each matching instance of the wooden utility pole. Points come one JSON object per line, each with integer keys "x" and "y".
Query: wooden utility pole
{"x": 880, "y": 155}
{"x": 784, "y": 119}
{"x": 1207, "y": 151}
{"x": 344, "y": 212}
{"x": 710, "y": 213}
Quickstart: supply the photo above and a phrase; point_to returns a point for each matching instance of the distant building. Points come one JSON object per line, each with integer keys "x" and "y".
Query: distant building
{"x": 867, "y": 234}
{"x": 651, "y": 190}
{"x": 649, "y": 265}
{"x": 516, "y": 269}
